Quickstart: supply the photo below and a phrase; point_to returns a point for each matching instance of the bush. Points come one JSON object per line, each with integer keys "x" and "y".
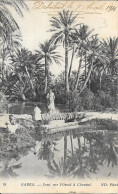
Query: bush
{"x": 87, "y": 99}
{"x": 74, "y": 102}
{"x": 81, "y": 102}
{"x": 96, "y": 104}
{"x": 105, "y": 99}
{"x": 3, "y": 103}
{"x": 60, "y": 96}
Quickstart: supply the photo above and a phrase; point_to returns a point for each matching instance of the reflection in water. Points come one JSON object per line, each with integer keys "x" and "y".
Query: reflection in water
{"x": 80, "y": 155}
{"x": 12, "y": 148}
{"x": 7, "y": 169}
{"x": 46, "y": 151}
{"x": 67, "y": 154}
{"x": 96, "y": 150}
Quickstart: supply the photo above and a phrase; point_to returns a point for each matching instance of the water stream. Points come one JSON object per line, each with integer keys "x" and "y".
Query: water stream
{"x": 70, "y": 153}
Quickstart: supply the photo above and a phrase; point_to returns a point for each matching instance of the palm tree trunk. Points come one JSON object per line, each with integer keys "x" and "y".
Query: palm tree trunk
{"x": 73, "y": 51}
{"x": 46, "y": 78}
{"x": 22, "y": 95}
{"x": 112, "y": 70}
{"x": 46, "y": 81}
{"x": 2, "y": 65}
{"x": 66, "y": 64}
{"x": 84, "y": 142}
{"x": 89, "y": 83}
{"x": 85, "y": 65}
{"x": 2, "y": 62}
{"x": 100, "y": 81}
{"x": 3, "y": 72}
{"x": 31, "y": 83}
{"x": 78, "y": 73}
{"x": 88, "y": 76}
{"x": 79, "y": 143}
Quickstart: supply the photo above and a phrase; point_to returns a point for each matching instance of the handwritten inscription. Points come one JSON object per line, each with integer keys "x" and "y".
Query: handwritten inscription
{"x": 74, "y": 5}
{"x": 53, "y": 5}
{"x": 111, "y": 8}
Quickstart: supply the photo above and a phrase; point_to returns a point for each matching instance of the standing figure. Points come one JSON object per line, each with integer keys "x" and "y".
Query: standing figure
{"x": 50, "y": 101}
{"x": 37, "y": 114}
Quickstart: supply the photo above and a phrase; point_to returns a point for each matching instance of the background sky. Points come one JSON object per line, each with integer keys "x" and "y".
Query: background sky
{"x": 35, "y": 24}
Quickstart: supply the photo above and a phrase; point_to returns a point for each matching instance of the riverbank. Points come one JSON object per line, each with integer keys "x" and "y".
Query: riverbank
{"x": 100, "y": 115}
{"x": 86, "y": 117}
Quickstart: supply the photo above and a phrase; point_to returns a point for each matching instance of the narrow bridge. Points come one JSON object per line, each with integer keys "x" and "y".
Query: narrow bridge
{"x": 61, "y": 116}
{"x": 53, "y": 116}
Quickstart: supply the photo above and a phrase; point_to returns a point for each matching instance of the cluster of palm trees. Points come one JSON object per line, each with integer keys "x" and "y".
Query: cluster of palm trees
{"x": 89, "y": 53}
{"x": 48, "y": 55}
{"x": 9, "y": 32}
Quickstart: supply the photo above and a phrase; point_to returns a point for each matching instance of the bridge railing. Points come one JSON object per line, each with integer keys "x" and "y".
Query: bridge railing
{"x": 61, "y": 116}
{"x": 48, "y": 117}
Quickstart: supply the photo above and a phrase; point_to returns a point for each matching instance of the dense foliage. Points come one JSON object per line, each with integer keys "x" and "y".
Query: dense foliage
{"x": 25, "y": 75}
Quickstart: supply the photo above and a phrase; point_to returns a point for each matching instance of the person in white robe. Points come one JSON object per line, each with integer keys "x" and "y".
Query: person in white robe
{"x": 37, "y": 113}
{"x": 50, "y": 101}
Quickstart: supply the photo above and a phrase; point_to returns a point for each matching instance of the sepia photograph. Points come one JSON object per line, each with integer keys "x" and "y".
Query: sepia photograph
{"x": 58, "y": 96}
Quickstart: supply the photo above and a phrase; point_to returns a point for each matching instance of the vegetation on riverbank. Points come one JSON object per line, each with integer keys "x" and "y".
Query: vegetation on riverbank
{"x": 25, "y": 75}
{"x": 99, "y": 148}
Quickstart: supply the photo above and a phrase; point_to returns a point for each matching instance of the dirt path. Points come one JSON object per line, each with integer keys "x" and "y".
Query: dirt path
{"x": 100, "y": 115}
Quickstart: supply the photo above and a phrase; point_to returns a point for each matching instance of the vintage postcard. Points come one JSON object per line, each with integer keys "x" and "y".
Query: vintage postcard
{"x": 58, "y": 96}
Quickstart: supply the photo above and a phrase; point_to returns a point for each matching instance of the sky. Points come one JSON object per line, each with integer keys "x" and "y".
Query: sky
{"x": 100, "y": 16}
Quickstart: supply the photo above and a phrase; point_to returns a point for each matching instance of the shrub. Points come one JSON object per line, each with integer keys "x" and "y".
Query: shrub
{"x": 81, "y": 102}
{"x": 3, "y": 103}
{"x": 87, "y": 99}
{"x": 105, "y": 99}
{"x": 60, "y": 96}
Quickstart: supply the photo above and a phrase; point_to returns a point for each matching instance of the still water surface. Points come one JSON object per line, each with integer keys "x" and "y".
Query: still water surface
{"x": 63, "y": 154}
{"x": 28, "y": 107}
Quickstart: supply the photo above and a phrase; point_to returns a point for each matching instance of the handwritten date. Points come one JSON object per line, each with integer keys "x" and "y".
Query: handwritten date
{"x": 111, "y": 8}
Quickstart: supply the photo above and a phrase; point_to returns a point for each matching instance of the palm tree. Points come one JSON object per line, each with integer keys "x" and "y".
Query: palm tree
{"x": 80, "y": 38}
{"x": 4, "y": 57}
{"x": 6, "y": 53}
{"x": 80, "y": 52}
{"x": 72, "y": 57}
{"x": 94, "y": 52}
{"x": 98, "y": 71}
{"x": 110, "y": 49}
{"x": 62, "y": 27}
{"x": 19, "y": 89}
{"x": 8, "y": 25}
{"x": 25, "y": 62}
{"x": 49, "y": 56}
